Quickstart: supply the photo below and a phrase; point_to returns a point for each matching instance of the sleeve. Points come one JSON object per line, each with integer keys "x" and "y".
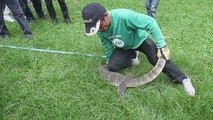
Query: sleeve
{"x": 108, "y": 48}
{"x": 145, "y": 22}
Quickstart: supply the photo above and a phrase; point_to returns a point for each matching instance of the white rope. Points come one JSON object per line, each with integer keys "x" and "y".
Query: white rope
{"x": 50, "y": 51}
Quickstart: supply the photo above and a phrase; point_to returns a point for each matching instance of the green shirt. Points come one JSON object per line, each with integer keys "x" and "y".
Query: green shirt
{"x": 128, "y": 29}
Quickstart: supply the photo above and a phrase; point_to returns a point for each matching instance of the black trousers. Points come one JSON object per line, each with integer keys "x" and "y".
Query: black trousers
{"x": 13, "y": 5}
{"x": 122, "y": 59}
{"x": 38, "y": 8}
{"x": 51, "y": 9}
{"x": 27, "y": 12}
{"x": 151, "y": 7}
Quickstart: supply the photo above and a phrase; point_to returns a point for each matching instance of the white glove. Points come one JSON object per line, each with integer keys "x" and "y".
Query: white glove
{"x": 163, "y": 53}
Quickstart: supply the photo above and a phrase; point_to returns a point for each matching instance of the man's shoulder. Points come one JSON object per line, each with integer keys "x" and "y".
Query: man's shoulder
{"x": 120, "y": 10}
{"x": 121, "y": 13}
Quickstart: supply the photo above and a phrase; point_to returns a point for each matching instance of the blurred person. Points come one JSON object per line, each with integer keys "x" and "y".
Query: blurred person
{"x": 28, "y": 13}
{"x": 151, "y": 7}
{"x": 13, "y": 5}
{"x": 37, "y": 5}
{"x": 52, "y": 12}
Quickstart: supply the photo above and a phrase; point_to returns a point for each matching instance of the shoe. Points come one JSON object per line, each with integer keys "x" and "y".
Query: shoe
{"x": 42, "y": 17}
{"x": 5, "y": 36}
{"x": 54, "y": 20}
{"x": 188, "y": 87}
{"x": 135, "y": 61}
{"x": 31, "y": 20}
{"x": 28, "y": 36}
{"x": 68, "y": 21}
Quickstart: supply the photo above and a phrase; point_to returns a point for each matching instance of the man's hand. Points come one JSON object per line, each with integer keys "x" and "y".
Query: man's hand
{"x": 163, "y": 53}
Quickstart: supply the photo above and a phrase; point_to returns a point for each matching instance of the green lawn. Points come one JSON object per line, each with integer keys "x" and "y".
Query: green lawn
{"x": 47, "y": 86}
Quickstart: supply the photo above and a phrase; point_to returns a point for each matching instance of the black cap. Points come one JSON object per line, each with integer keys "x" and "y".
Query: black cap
{"x": 92, "y": 14}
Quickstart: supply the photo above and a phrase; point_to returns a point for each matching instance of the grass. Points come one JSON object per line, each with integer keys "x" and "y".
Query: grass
{"x": 41, "y": 86}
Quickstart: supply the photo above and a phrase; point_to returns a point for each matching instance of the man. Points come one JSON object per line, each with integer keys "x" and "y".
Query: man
{"x": 123, "y": 32}
{"x": 13, "y": 5}
{"x": 151, "y": 7}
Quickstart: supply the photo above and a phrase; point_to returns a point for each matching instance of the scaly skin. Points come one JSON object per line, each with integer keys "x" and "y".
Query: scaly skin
{"x": 122, "y": 82}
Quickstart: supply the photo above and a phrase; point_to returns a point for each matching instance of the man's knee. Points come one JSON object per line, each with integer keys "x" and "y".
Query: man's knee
{"x": 113, "y": 68}
{"x": 117, "y": 67}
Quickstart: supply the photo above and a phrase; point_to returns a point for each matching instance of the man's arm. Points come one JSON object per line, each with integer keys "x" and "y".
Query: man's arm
{"x": 145, "y": 22}
{"x": 108, "y": 48}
